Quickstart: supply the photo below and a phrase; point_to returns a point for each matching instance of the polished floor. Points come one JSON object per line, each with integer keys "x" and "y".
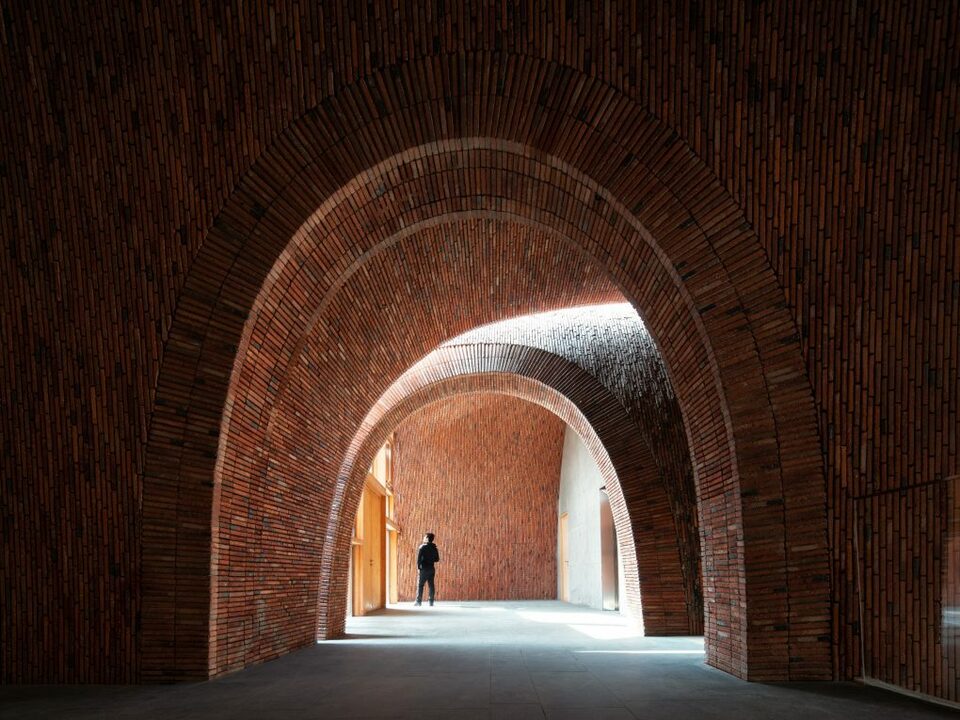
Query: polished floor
{"x": 477, "y": 660}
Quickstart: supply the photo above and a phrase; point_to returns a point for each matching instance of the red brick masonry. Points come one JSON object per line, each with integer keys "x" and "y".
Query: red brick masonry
{"x": 224, "y": 237}
{"x": 481, "y": 471}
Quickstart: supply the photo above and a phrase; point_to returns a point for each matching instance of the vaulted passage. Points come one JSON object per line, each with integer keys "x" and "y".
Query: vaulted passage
{"x": 277, "y": 425}
{"x": 244, "y": 246}
{"x": 572, "y": 363}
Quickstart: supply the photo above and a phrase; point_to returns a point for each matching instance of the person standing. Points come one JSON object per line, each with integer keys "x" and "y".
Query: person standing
{"x": 427, "y": 556}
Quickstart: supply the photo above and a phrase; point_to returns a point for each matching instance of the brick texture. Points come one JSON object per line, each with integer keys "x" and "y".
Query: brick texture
{"x": 611, "y": 344}
{"x": 649, "y": 544}
{"x": 473, "y": 451}
{"x": 278, "y": 409}
{"x": 308, "y": 421}
{"x": 195, "y": 201}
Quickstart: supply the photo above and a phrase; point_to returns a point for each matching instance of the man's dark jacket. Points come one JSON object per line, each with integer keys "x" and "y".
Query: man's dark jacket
{"x": 427, "y": 556}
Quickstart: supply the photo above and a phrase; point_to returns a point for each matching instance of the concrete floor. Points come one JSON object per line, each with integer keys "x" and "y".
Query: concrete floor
{"x": 476, "y": 660}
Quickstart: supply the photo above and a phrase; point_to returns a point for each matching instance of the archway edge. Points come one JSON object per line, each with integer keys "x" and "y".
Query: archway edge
{"x": 518, "y": 386}
{"x": 645, "y": 524}
{"x": 662, "y": 168}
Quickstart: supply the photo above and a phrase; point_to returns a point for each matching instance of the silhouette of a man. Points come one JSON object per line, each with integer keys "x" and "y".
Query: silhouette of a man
{"x": 427, "y": 555}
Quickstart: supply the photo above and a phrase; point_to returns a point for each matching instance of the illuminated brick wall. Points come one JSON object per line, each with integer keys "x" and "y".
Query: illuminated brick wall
{"x": 482, "y": 471}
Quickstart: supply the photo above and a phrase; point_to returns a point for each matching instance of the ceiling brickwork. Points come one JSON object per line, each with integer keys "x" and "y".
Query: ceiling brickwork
{"x": 196, "y": 201}
{"x": 657, "y": 577}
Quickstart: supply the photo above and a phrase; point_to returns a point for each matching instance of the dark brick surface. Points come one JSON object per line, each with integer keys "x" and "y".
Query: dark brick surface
{"x": 650, "y": 545}
{"x": 773, "y": 187}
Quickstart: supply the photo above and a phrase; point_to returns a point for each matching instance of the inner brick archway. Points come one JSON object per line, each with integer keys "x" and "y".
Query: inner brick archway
{"x": 646, "y": 533}
{"x": 612, "y": 188}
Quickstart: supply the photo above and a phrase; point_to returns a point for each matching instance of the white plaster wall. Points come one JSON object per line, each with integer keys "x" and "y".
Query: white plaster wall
{"x": 580, "y": 483}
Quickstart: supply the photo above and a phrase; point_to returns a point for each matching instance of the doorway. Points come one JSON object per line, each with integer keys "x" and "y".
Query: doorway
{"x": 373, "y": 555}
{"x": 564, "y": 559}
{"x": 609, "y": 562}
{"x": 368, "y": 572}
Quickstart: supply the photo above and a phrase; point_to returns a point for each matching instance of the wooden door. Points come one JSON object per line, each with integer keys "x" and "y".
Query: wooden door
{"x": 373, "y": 542}
{"x": 393, "y": 592}
{"x": 356, "y": 580}
{"x": 368, "y": 574}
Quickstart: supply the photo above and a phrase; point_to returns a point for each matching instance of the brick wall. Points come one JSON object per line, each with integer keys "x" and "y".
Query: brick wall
{"x": 286, "y": 420}
{"x": 789, "y": 171}
{"x": 649, "y": 543}
{"x": 482, "y": 472}
{"x": 612, "y": 345}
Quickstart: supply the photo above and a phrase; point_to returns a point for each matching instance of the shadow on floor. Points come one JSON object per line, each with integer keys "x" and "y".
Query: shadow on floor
{"x": 487, "y": 661}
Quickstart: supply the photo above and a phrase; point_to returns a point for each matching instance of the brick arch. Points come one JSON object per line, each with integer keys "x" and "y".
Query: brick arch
{"x": 579, "y": 162}
{"x": 307, "y": 434}
{"x": 645, "y": 525}
{"x": 612, "y": 344}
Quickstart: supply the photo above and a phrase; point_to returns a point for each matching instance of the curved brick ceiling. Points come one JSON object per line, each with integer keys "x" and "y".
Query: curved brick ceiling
{"x": 610, "y": 343}
{"x": 295, "y": 434}
{"x": 647, "y": 527}
{"x": 304, "y": 337}
{"x": 519, "y": 375}
{"x": 830, "y": 126}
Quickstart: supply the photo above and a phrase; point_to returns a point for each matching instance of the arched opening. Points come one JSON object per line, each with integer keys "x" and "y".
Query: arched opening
{"x": 621, "y": 219}
{"x": 611, "y": 575}
{"x": 532, "y": 390}
{"x": 490, "y": 473}
{"x": 621, "y": 414}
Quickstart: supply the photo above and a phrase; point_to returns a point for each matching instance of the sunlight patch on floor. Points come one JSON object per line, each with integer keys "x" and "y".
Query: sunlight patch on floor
{"x": 639, "y": 652}
{"x": 574, "y": 618}
{"x": 605, "y": 626}
{"x": 607, "y": 632}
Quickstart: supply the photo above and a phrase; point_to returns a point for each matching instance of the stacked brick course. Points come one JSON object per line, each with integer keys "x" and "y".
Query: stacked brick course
{"x": 773, "y": 186}
{"x": 611, "y": 344}
{"x": 651, "y": 548}
{"x": 283, "y": 448}
{"x": 471, "y": 452}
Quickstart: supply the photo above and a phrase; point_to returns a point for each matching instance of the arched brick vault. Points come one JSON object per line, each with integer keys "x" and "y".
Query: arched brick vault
{"x": 388, "y": 311}
{"x": 646, "y": 530}
{"x": 570, "y": 158}
{"x": 511, "y": 381}
{"x": 611, "y": 343}
{"x": 831, "y": 124}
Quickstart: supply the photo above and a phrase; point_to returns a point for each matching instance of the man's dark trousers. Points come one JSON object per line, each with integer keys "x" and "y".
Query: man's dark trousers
{"x": 426, "y": 576}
